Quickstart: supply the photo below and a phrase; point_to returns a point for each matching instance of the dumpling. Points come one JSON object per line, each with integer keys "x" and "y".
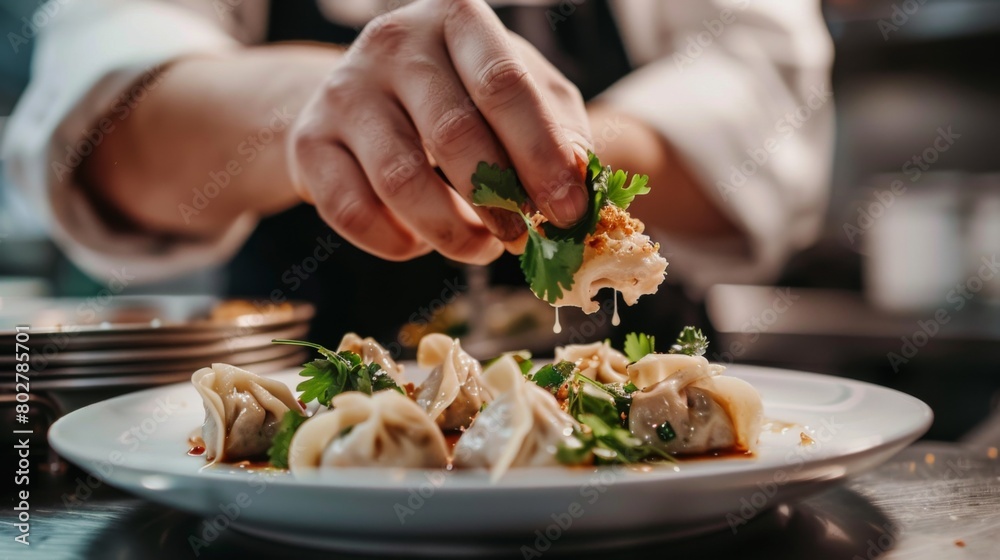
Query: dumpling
{"x": 617, "y": 255}
{"x": 705, "y": 410}
{"x": 372, "y": 352}
{"x": 243, "y": 411}
{"x": 386, "y": 429}
{"x": 453, "y": 392}
{"x": 597, "y": 361}
{"x": 523, "y": 426}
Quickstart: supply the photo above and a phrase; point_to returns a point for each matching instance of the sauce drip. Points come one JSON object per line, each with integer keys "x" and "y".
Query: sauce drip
{"x": 615, "y": 319}
{"x": 196, "y": 451}
{"x": 557, "y": 328}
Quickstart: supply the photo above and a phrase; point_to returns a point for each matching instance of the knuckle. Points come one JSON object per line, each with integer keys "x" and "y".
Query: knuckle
{"x": 403, "y": 177}
{"x": 456, "y": 131}
{"x": 460, "y": 12}
{"x": 305, "y": 138}
{"x": 349, "y": 217}
{"x": 562, "y": 88}
{"x": 502, "y": 81}
{"x": 387, "y": 32}
{"x": 340, "y": 90}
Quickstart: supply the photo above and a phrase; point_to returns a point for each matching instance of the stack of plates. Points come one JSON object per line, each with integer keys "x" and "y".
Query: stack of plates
{"x": 84, "y": 350}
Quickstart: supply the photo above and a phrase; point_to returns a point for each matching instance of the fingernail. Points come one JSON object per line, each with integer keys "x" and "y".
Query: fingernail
{"x": 567, "y": 203}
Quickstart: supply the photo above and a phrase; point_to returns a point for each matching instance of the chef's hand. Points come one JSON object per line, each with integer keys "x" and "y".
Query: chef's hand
{"x": 438, "y": 83}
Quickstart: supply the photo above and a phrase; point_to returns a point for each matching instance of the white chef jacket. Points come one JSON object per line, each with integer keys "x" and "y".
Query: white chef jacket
{"x": 740, "y": 88}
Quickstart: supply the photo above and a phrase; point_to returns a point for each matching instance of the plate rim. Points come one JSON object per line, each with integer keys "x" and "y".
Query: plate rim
{"x": 478, "y": 479}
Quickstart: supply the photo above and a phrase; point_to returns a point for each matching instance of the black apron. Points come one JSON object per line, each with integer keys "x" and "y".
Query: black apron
{"x": 352, "y": 290}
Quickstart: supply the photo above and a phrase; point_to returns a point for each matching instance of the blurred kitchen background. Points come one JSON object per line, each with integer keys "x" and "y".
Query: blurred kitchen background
{"x": 896, "y": 292}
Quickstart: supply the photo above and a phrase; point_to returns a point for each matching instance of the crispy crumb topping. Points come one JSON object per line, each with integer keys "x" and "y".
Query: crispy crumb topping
{"x": 615, "y": 227}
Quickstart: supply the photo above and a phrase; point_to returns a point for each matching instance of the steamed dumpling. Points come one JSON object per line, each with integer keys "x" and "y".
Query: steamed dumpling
{"x": 706, "y": 410}
{"x": 597, "y": 361}
{"x": 242, "y": 411}
{"x": 523, "y": 426}
{"x": 617, "y": 255}
{"x": 382, "y": 430}
{"x": 453, "y": 392}
{"x": 372, "y": 352}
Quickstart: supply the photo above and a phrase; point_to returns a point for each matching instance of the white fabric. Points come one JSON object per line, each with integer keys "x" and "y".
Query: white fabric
{"x": 757, "y": 62}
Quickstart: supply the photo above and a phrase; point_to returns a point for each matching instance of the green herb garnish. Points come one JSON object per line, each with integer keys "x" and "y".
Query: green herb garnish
{"x": 622, "y": 394}
{"x": 337, "y": 373}
{"x": 278, "y": 452}
{"x": 601, "y": 443}
{"x": 522, "y": 357}
{"x": 666, "y": 431}
{"x": 549, "y": 261}
{"x": 690, "y": 342}
{"x": 554, "y": 376}
{"x": 638, "y": 345}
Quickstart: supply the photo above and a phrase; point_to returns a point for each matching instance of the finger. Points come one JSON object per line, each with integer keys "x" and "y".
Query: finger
{"x": 513, "y": 105}
{"x": 566, "y": 101}
{"x": 453, "y": 131}
{"x": 335, "y": 183}
{"x": 392, "y": 157}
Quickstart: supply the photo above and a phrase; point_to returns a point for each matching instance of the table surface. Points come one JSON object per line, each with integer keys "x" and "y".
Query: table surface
{"x": 933, "y": 500}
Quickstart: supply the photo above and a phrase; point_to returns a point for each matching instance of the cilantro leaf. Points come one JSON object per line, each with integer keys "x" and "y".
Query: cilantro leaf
{"x": 638, "y": 345}
{"x": 550, "y": 265}
{"x": 550, "y": 261}
{"x": 278, "y": 452}
{"x": 690, "y": 342}
{"x": 553, "y": 376}
{"x": 622, "y": 196}
{"x": 497, "y": 188}
{"x": 326, "y": 381}
{"x": 337, "y": 373}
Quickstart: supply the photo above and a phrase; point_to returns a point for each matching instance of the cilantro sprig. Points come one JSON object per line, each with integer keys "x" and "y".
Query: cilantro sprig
{"x": 690, "y": 342}
{"x": 602, "y": 411}
{"x": 550, "y": 261}
{"x": 638, "y": 345}
{"x": 338, "y": 372}
{"x": 278, "y": 452}
{"x": 600, "y": 443}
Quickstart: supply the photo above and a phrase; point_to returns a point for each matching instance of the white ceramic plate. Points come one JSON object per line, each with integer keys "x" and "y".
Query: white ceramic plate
{"x": 138, "y": 442}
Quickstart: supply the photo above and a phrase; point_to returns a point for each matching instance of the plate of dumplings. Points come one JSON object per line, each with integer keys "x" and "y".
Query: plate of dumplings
{"x": 453, "y": 455}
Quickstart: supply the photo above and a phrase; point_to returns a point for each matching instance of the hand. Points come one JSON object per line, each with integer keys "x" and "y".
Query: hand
{"x": 438, "y": 81}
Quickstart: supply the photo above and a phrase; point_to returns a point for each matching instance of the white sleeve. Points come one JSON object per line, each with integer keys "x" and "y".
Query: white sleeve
{"x": 90, "y": 56}
{"x": 741, "y": 89}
